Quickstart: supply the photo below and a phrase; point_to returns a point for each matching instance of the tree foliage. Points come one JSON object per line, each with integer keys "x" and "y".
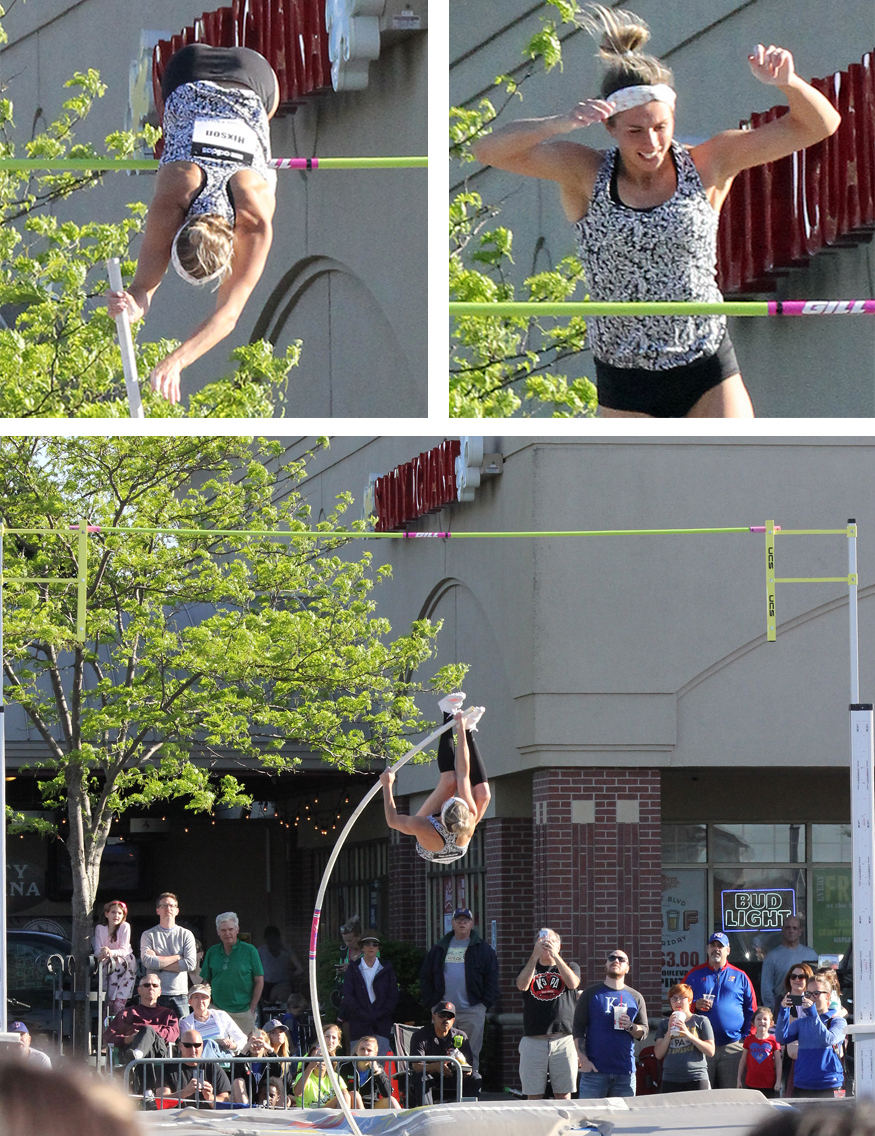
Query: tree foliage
{"x": 510, "y": 365}
{"x": 198, "y": 646}
{"x": 59, "y": 355}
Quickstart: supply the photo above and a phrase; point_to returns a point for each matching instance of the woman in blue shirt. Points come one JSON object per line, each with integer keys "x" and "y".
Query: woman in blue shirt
{"x": 818, "y": 1071}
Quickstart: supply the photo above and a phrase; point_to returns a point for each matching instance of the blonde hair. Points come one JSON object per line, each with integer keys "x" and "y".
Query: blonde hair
{"x": 205, "y": 247}
{"x": 457, "y": 817}
{"x": 259, "y": 1033}
{"x": 621, "y": 34}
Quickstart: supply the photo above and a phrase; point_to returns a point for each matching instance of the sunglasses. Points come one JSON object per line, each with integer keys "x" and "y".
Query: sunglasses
{"x": 447, "y": 1017}
{"x": 617, "y": 958}
{"x": 192, "y": 1044}
{"x": 798, "y": 977}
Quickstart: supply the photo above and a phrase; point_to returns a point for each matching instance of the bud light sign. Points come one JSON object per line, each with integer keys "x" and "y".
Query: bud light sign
{"x": 757, "y": 909}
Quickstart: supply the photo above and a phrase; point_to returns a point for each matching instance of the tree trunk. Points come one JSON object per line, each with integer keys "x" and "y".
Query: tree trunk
{"x": 85, "y": 851}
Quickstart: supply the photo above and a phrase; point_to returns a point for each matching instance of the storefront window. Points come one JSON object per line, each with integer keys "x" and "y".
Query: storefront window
{"x": 831, "y": 843}
{"x": 684, "y": 844}
{"x": 743, "y": 880}
{"x": 758, "y": 843}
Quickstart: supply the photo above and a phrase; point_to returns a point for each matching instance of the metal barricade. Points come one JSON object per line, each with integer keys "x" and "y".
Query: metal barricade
{"x": 146, "y": 1077}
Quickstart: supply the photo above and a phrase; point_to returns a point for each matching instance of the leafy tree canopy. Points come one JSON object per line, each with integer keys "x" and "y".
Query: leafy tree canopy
{"x": 510, "y": 366}
{"x": 198, "y": 646}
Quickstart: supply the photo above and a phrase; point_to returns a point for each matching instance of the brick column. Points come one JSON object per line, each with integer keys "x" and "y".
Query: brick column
{"x": 509, "y": 902}
{"x": 407, "y": 891}
{"x": 597, "y": 869}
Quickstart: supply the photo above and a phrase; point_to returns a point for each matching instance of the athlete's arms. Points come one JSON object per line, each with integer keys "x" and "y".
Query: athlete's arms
{"x": 529, "y": 147}
{"x": 811, "y": 119}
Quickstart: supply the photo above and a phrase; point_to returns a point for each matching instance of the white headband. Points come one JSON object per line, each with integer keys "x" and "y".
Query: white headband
{"x": 187, "y": 276}
{"x": 449, "y": 801}
{"x": 628, "y": 97}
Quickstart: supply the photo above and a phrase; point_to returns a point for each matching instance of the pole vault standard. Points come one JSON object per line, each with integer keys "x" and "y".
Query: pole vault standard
{"x": 121, "y": 165}
{"x": 862, "y": 755}
{"x": 585, "y": 308}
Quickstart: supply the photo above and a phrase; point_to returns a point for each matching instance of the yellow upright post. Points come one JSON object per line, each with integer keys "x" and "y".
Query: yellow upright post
{"x": 771, "y": 617}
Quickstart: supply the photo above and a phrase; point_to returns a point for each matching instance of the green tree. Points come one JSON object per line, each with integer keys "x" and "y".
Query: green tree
{"x": 511, "y": 365}
{"x": 59, "y": 355}
{"x": 196, "y": 645}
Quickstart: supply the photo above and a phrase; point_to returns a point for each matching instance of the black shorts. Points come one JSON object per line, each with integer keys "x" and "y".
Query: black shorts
{"x": 447, "y": 756}
{"x": 664, "y": 394}
{"x": 200, "y": 61}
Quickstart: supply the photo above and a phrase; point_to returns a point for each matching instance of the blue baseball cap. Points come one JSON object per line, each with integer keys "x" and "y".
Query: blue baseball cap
{"x": 719, "y": 937}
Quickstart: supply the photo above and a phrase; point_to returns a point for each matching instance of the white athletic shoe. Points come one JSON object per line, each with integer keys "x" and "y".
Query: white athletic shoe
{"x": 451, "y": 703}
{"x": 473, "y": 715}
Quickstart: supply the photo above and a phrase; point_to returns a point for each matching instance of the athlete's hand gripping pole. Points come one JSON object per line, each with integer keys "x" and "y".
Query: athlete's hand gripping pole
{"x": 323, "y": 887}
{"x": 126, "y": 343}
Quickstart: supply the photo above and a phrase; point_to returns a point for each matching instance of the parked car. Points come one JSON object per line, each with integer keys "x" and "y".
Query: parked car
{"x": 28, "y": 977}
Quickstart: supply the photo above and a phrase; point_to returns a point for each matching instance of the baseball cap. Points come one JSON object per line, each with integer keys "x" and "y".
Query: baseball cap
{"x": 463, "y": 911}
{"x": 444, "y": 1008}
{"x": 370, "y": 936}
{"x": 18, "y": 1027}
{"x": 719, "y": 937}
{"x": 273, "y": 1024}
{"x": 201, "y": 988}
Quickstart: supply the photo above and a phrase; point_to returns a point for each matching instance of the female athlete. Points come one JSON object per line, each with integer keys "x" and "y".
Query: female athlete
{"x": 646, "y": 214}
{"x": 444, "y": 825}
{"x": 215, "y": 194}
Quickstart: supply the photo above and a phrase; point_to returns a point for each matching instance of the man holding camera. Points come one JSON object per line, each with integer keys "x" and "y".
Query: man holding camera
{"x": 549, "y": 985}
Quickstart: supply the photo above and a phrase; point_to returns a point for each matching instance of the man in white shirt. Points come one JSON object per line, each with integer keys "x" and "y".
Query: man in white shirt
{"x": 169, "y": 950}
{"x": 218, "y": 1030}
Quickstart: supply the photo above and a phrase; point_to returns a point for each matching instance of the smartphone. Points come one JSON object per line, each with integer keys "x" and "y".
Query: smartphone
{"x": 796, "y": 999}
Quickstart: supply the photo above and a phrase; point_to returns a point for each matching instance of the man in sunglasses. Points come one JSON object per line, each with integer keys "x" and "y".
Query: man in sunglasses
{"x": 789, "y": 952}
{"x": 608, "y": 1019}
{"x": 435, "y": 1080}
{"x": 193, "y": 1085}
{"x": 145, "y": 1030}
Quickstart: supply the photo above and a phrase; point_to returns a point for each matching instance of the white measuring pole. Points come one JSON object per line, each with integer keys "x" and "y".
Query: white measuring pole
{"x": 863, "y": 860}
{"x": 126, "y": 343}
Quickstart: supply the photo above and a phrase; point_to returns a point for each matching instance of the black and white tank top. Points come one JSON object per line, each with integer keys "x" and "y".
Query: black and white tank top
{"x": 665, "y": 253}
{"x": 223, "y": 130}
{"x": 449, "y": 852}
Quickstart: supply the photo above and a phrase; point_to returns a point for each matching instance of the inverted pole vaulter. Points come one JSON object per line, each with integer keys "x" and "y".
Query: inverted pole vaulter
{"x": 126, "y": 343}
{"x": 665, "y": 308}
{"x": 130, "y": 165}
{"x": 317, "y": 912}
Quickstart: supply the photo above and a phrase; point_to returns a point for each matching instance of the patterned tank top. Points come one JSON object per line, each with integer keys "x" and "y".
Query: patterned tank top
{"x": 449, "y": 852}
{"x": 223, "y": 130}
{"x": 665, "y": 253}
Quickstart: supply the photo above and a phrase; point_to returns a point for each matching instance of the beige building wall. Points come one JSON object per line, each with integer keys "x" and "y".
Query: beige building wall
{"x": 347, "y": 271}
{"x": 642, "y": 651}
{"x": 823, "y": 369}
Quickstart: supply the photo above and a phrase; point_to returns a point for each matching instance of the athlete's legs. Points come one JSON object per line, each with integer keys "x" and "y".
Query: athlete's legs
{"x": 482, "y": 797}
{"x": 728, "y": 399}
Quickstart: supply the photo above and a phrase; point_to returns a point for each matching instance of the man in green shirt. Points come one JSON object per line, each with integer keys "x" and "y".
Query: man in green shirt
{"x": 234, "y": 971}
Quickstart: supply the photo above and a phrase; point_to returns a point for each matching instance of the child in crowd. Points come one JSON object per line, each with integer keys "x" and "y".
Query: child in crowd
{"x": 112, "y": 948}
{"x": 367, "y": 1080}
{"x": 760, "y": 1064}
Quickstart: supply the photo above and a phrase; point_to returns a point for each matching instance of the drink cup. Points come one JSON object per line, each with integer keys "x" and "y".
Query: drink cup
{"x": 619, "y": 1012}
{"x": 709, "y": 1000}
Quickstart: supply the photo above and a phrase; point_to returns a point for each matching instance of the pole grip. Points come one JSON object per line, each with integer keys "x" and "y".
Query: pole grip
{"x": 126, "y": 343}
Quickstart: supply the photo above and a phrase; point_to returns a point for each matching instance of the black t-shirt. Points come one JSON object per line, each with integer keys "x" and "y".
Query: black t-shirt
{"x": 215, "y": 1074}
{"x": 548, "y": 1004}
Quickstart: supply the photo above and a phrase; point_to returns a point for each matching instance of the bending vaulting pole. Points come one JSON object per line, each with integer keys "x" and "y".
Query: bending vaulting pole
{"x": 126, "y": 343}
{"x": 323, "y": 887}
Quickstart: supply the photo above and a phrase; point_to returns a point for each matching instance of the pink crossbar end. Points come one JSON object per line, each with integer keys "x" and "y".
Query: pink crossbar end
{"x": 762, "y": 528}
{"x": 425, "y": 535}
{"x": 821, "y": 307}
{"x": 294, "y": 163}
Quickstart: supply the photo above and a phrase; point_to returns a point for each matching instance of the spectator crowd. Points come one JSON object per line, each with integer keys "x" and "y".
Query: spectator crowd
{"x": 190, "y": 1024}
